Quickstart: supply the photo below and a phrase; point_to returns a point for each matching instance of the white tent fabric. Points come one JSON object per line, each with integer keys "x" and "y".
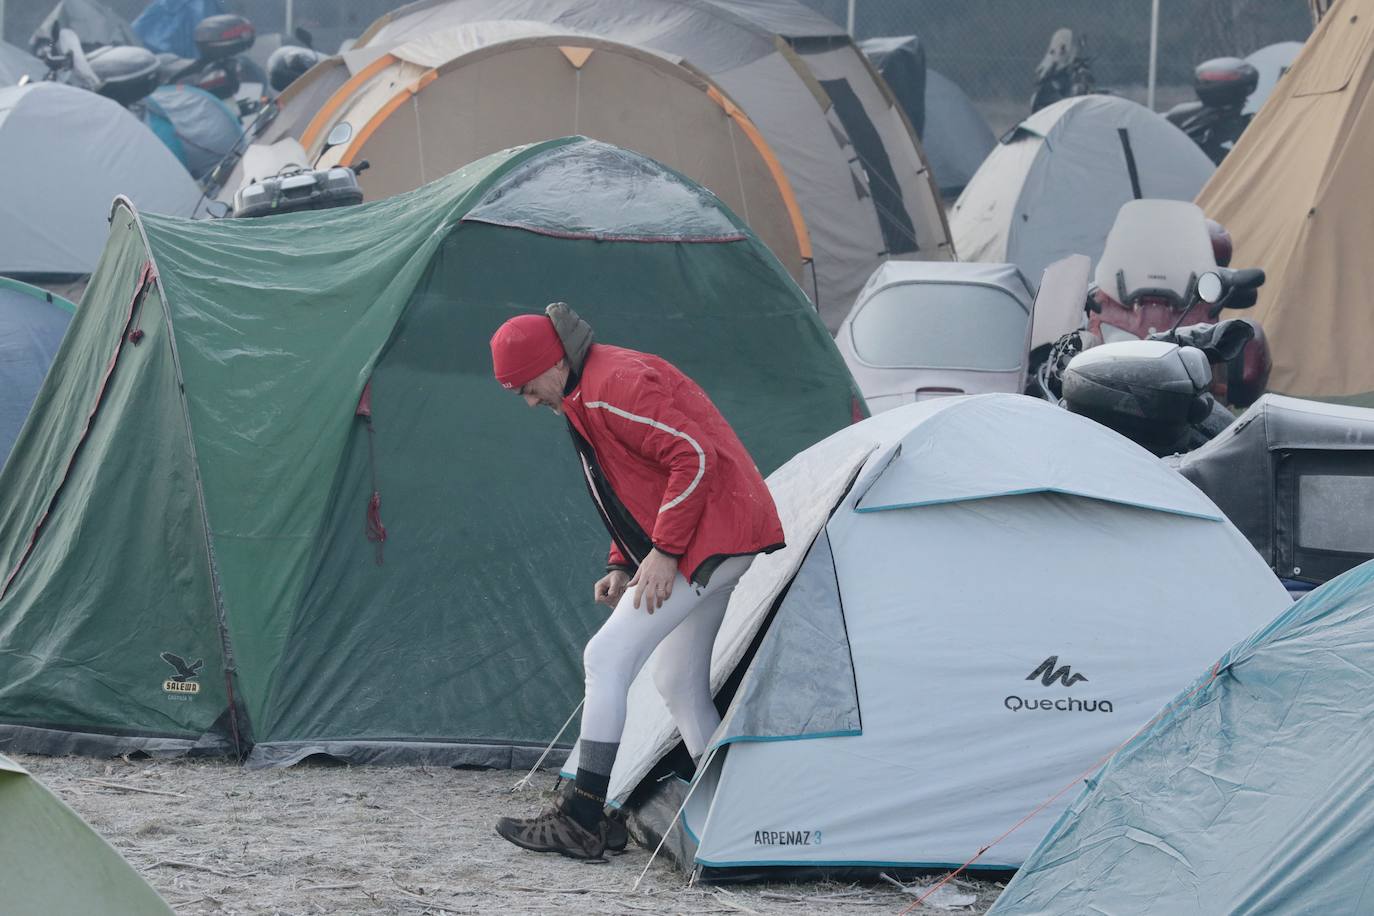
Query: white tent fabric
{"x": 857, "y": 169}
{"x": 1054, "y": 184}
{"x": 940, "y": 328}
{"x": 65, "y": 154}
{"x": 991, "y": 625}
{"x": 1272, "y": 62}
{"x": 432, "y": 104}
{"x": 16, "y": 63}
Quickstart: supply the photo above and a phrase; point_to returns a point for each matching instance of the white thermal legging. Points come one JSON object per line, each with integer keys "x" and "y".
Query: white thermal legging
{"x": 686, "y": 625}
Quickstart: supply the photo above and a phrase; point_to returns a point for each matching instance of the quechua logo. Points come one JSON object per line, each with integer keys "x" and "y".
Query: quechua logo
{"x": 1050, "y": 671}
{"x": 1047, "y": 673}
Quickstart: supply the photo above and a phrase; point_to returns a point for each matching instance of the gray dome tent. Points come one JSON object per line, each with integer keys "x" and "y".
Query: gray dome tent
{"x": 953, "y": 134}
{"x": 1055, "y": 182}
{"x": 95, "y": 22}
{"x": 65, "y": 153}
{"x": 16, "y": 63}
{"x": 958, "y": 139}
{"x": 855, "y": 165}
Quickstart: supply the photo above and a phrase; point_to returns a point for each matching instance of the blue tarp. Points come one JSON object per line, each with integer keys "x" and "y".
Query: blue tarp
{"x": 168, "y": 26}
{"x": 1252, "y": 793}
{"x": 32, "y": 322}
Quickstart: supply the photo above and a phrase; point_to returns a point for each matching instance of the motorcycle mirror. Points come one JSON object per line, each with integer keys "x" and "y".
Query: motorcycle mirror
{"x": 304, "y": 37}
{"x": 340, "y": 134}
{"x": 1210, "y": 288}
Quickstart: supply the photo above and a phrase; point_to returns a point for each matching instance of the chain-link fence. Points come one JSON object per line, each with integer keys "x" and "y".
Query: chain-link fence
{"x": 991, "y": 47}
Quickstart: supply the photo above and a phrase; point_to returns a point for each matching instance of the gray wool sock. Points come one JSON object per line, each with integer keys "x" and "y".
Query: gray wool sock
{"x": 597, "y": 756}
{"x": 587, "y": 802}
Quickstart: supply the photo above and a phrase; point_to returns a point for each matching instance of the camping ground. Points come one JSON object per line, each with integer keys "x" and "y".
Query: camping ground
{"x": 214, "y": 838}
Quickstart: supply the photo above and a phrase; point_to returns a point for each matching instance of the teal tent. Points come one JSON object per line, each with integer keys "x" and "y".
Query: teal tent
{"x": 276, "y": 501}
{"x": 32, "y": 322}
{"x": 1252, "y": 793}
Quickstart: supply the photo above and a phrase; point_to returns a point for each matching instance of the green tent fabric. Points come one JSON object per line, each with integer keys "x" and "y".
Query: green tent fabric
{"x": 51, "y": 861}
{"x": 206, "y": 485}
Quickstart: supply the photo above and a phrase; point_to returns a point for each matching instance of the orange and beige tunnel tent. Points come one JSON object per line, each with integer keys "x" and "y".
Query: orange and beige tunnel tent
{"x": 423, "y": 108}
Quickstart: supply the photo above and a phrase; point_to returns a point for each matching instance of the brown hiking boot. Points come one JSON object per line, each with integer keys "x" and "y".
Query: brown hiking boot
{"x": 554, "y": 831}
{"x": 617, "y": 831}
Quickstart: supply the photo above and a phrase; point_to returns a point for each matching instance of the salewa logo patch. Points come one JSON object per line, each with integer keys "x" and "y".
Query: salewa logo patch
{"x": 1048, "y": 673}
{"x": 787, "y": 838}
{"x": 183, "y": 682}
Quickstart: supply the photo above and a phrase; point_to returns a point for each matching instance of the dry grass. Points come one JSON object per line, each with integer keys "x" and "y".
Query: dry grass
{"x": 216, "y": 839}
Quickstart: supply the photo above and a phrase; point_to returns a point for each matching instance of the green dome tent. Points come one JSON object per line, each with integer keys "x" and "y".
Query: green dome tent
{"x": 277, "y": 501}
{"x": 51, "y": 861}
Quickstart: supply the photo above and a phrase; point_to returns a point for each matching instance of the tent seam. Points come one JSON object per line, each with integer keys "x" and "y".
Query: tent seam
{"x": 216, "y": 587}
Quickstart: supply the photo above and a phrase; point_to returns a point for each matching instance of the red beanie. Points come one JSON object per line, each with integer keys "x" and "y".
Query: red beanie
{"x": 524, "y": 347}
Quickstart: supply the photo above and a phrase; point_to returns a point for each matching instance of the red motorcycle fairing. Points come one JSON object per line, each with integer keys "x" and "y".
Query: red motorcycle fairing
{"x": 1238, "y": 383}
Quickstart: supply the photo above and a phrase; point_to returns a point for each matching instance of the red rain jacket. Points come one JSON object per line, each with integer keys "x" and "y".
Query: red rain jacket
{"x": 671, "y": 459}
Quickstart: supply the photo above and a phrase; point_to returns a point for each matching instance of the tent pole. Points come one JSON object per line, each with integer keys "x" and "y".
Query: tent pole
{"x": 850, "y": 20}
{"x": 1154, "y": 54}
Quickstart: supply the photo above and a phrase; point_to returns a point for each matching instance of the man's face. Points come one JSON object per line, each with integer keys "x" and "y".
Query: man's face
{"x": 546, "y": 389}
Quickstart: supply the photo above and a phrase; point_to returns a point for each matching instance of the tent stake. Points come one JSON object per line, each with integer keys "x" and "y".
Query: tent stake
{"x": 696, "y": 781}
{"x": 540, "y": 762}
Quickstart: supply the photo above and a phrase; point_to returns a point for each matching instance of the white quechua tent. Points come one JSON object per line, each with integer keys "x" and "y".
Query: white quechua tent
{"x": 1251, "y": 795}
{"x": 847, "y": 149}
{"x": 1053, "y": 185}
{"x": 976, "y": 623}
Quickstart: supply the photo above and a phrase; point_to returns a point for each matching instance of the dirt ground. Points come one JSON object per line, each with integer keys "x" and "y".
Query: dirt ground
{"x": 216, "y": 839}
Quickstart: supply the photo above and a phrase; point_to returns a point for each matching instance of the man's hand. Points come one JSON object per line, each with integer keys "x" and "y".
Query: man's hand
{"x": 654, "y": 580}
{"x": 610, "y": 587}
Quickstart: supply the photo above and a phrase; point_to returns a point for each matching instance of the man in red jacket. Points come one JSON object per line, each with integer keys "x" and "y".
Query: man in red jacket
{"x": 687, "y": 511}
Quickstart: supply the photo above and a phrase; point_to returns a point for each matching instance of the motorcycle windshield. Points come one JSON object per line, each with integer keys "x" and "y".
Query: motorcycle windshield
{"x": 1155, "y": 248}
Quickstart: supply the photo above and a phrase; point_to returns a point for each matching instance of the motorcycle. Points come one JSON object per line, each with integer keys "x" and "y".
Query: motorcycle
{"x": 276, "y": 181}
{"x": 1158, "y": 391}
{"x": 128, "y": 74}
{"x": 219, "y": 70}
{"x": 123, "y": 73}
{"x": 1150, "y": 360}
{"x": 1065, "y": 71}
{"x": 1216, "y": 120}
{"x": 1146, "y": 280}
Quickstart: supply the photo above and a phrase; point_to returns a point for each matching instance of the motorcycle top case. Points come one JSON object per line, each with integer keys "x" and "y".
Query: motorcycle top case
{"x": 303, "y": 189}
{"x": 1225, "y": 82}
{"x": 126, "y": 74}
{"x": 1139, "y": 388}
{"x": 223, "y": 36}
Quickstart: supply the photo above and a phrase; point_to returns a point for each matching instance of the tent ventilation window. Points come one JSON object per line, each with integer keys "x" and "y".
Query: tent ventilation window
{"x": 899, "y": 235}
{"x": 372, "y": 527}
